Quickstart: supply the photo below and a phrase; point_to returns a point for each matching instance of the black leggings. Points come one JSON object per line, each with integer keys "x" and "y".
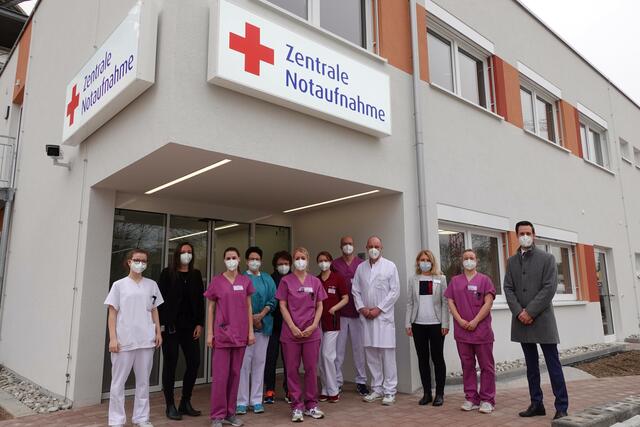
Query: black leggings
{"x": 272, "y": 358}
{"x": 183, "y": 337}
{"x": 429, "y": 340}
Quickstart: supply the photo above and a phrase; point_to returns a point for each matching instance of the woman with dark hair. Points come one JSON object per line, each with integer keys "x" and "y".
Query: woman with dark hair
{"x": 182, "y": 320}
{"x": 281, "y": 263}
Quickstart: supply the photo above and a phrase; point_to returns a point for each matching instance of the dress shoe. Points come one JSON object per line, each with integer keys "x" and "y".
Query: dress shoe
{"x": 533, "y": 411}
{"x": 426, "y": 399}
{"x": 439, "y": 400}
{"x": 559, "y": 414}
{"x": 185, "y": 408}
{"x": 172, "y": 412}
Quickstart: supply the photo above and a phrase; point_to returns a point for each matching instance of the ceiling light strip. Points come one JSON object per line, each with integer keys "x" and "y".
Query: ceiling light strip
{"x": 331, "y": 201}
{"x": 188, "y": 235}
{"x": 189, "y": 176}
{"x": 224, "y": 227}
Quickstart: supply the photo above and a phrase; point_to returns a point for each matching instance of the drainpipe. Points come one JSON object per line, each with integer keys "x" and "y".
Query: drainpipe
{"x": 417, "y": 119}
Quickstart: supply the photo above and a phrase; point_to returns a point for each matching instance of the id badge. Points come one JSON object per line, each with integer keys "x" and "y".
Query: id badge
{"x": 238, "y": 288}
{"x": 331, "y": 290}
{"x": 472, "y": 288}
{"x": 307, "y": 289}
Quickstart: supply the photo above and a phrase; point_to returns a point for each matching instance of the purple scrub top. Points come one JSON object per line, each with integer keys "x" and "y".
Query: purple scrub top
{"x": 469, "y": 298}
{"x": 347, "y": 271}
{"x": 301, "y": 301}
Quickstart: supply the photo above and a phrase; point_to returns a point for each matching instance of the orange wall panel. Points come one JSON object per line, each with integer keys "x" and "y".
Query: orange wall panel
{"x": 23, "y": 63}
{"x": 512, "y": 239}
{"x": 423, "y": 53}
{"x": 507, "y": 88}
{"x": 587, "y": 273}
{"x": 570, "y": 128}
{"x": 395, "y": 33}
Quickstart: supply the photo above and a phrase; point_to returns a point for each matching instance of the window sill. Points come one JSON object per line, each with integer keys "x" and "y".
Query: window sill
{"x": 627, "y": 160}
{"x": 502, "y": 305}
{"x": 295, "y": 18}
{"x": 538, "y": 137}
{"x": 599, "y": 167}
{"x": 638, "y": 167}
{"x": 466, "y": 101}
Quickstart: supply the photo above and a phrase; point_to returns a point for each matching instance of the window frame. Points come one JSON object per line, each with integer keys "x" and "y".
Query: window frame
{"x": 591, "y": 126}
{"x": 468, "y": 231}
{"x": 460, "y": 46}
{"x": 544, "y": 244}
{"x": 626, "y": 150}
{"x": 538, "y": 92}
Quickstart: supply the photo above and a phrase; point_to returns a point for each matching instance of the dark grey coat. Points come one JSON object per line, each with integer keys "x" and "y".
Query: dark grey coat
{"x": 530, "y": 282}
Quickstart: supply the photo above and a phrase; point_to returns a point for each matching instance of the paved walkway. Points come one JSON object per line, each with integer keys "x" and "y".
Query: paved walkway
{"x": 352, "y": 412}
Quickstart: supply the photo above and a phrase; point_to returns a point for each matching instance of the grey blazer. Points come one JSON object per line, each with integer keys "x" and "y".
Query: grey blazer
{"x": 440, "y": 305}
{"x": 530, "y": 282}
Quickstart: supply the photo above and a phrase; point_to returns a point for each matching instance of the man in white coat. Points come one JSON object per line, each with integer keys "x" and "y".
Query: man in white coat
{"x": 376, "y": 288}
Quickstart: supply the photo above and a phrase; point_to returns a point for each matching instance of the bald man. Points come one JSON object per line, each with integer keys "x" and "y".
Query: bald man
{"x": 376, "y": 288}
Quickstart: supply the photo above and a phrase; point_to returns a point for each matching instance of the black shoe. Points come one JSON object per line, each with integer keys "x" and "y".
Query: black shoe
{"x": 426, "y": 399}
{"x": 186, "y": 409}
{"x": 362, "y": 389}
{"x": 559, "y": 414}
{"x": 533, "y": 411}
{"x": 439, "y": 400}
{"x": 172, "y": 412}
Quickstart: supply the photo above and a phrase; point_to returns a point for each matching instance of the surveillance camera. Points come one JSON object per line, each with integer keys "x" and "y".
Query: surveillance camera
{"x": 53, "y": 151}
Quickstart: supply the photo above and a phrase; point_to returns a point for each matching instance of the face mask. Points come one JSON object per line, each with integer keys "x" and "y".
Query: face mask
{"x": 425, "y": 266}
{"x": 254, "y": 265}
{"x": 283, "y": 269}
{"x": 231, "y": 264}
{"x": 347, "y": 249}
{"x": 469, "y": 264}
{"x": 525, "y": 241}
{"x": 374, "y": 253}
{"x": 138, "y": 267}
{"x": 324, "y": 265}
{"x": 185, "y": 258}
{"x": 300, "y": 264}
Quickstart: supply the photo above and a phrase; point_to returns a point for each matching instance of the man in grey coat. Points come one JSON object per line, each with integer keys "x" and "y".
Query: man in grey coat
{"x": 530, "y": 284}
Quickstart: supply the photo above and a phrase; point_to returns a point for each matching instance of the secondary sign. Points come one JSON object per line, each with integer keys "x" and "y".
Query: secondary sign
{"x": 255, "y": 56}
{"x": 118, "y": 72}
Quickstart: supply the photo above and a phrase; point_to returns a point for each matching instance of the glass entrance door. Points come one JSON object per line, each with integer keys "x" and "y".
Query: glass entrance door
{"x": 605, "y": 294}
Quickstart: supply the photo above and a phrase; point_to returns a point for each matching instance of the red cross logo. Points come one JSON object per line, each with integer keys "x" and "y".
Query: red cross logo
{"x": 254, "y": 52}
{"x": 71, "y": 107}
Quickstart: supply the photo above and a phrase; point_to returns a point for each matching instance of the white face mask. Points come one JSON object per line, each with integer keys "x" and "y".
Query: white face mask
{"x": 300, "y": 264}
{"x": 425, "y": 266}
{"x": 324, "y": 265}
{"x": 525, "y": 241}
{"x": 254, "y": 265}
{"x": 185, "y": 258}
{"x": 283, "y": 269}
{"x": 469, "y": 264}
{"x": 347, "y": 249}
{"x": 374, "y": 253}
{"x": 231, "y": 264}
{"x": 138, "y": 267}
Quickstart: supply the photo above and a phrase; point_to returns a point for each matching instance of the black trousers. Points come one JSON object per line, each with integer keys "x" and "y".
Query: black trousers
{"x": 183, "y": 337}
{"x": 554, "y": 367}
{"x": 273, "y": 350}
{"x": 429, "y": 341}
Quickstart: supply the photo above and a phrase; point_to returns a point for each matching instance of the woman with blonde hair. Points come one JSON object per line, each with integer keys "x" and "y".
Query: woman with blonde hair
{"x": 427, "y": 321}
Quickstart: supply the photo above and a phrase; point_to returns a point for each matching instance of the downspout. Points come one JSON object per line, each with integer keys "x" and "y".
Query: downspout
{"x": 417, "y": 120}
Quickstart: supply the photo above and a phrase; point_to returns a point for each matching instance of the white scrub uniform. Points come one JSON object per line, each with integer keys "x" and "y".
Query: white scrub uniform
{"x": 378, "y": 285}
{"x": 136, "y": 336}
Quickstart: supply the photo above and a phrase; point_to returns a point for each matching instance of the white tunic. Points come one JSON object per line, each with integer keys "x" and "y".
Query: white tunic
{"x": 134, "y": 302}
{"x": 377, "y": 285}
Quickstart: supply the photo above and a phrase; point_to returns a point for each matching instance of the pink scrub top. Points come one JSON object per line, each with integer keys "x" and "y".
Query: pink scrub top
{"x": 301, "y": 301}
{"x": 469, "y": 298}
{"x": 231, "y": 324}
{"x": 347, "y": 271}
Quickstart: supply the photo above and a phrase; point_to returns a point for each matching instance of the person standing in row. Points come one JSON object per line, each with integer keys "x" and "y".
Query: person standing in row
{"x": 134, "y": 332}
{"x": 281, "y": 267}
{"x": 427, "y": 322}
{"x": 530, "y": 283}
{"x": 471, "y": 296}
{"x": 229, "y": 332}
{"x": 263, "y": 302}
{"x": 350, "y": 323}
{"x": 181, "y": 320}
{"x": 301, "y": 295}
{"x": 376, "y": 288}
{"x": 337, "y": 297}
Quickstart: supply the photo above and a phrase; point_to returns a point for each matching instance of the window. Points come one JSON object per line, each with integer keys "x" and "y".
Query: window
{"x": 539, "y": 112}
{"x": 625, "y": 150}
{"x": 594, "y": 143}
{"x": 564, "y": 253}
{"x": 345, "y": 18}
{"x": 458, "y": 67}
{"x": 487, "y": 244}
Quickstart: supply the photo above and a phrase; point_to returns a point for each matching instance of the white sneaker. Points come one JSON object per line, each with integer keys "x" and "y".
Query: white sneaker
{"x": 486, "y": 407}
{"x": 468, "y": 406}
{"x": 296, "y": 416}
{"x": 314, "y": 413}
{"x": 144, "y": 424}
{"x": 389, "y": 399}
{"x": 372, "y": 397}
{"x": 216, "y": 423}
